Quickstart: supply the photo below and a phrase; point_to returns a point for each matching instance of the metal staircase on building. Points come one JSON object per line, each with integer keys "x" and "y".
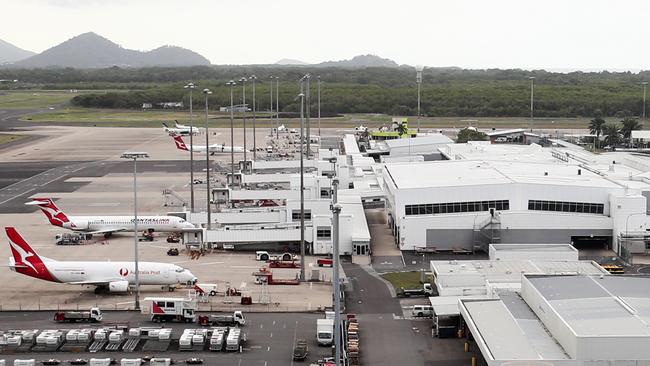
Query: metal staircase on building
{"x": 171, "y": 198}
{"x": 487, "y": 232}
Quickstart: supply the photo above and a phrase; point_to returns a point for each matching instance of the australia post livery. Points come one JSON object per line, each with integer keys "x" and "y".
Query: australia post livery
{"x": 111, "y": 276}
{"x": 107, "y": 224}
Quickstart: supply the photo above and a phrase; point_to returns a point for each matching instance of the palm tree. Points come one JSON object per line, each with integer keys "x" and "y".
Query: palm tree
{"x": 612, "y": 134}
{"x": 402, "y": 129}
{"x": 629, "y": 125}
{"x": 596, "y": 128}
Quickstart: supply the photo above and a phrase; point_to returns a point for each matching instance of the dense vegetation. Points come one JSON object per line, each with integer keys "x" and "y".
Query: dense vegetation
{"x": 445, "y": 91}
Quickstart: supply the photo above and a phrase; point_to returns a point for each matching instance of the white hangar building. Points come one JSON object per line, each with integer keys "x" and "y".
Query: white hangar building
{"x": 517, "y": 194}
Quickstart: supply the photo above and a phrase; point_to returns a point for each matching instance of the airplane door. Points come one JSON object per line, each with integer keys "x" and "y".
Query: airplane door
{"x": 166, "y": 273}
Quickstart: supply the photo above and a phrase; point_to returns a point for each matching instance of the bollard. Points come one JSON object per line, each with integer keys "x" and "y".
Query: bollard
{"x": 474, "y": 361}
{"x": 466, "y": 346}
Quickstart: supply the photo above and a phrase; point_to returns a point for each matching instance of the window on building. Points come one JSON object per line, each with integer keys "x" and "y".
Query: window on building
{"x": 295, "y": 215}
{"x": 560, "y": 206}
{"x": 455, "y": 207}
{"x": 325, "y": 193}
{"x": 323, "y": 233}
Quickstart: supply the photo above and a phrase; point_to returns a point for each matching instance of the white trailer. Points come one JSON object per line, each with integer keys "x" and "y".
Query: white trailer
{"x": 233, "y": 340}
{"x": 163, "y": 309}
{"x": 325, "y": 332}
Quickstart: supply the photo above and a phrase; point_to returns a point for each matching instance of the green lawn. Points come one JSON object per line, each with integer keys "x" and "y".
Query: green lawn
{"x": 33, "y": 99}
{"x": 403, "y": 279}
{"x": 6, "y": 138}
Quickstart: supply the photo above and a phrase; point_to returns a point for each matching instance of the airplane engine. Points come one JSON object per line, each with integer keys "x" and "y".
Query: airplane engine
{"x": 77, "y": 225}
{"x": 118, "y": 286}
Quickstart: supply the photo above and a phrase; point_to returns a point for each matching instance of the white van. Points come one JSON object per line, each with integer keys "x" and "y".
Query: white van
{"x": 422, "y": 311}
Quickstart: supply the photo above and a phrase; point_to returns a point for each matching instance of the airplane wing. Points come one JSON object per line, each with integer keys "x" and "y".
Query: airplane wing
{"x": 101, "y": 231}
{"x": 94, "y": 283}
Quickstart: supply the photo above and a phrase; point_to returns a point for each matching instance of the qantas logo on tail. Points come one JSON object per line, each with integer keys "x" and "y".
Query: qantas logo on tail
{"x": 26, "y": 260}
{"x": 180, "y": 144}
{"x": 56, "y": 216}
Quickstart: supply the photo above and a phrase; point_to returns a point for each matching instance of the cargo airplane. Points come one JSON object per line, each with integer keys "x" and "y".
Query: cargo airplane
{"x": 107, "y": 225}
{"x": 180, "y": 129}
{"x": 105, "y": 276}
{"x": 213, "y": 149}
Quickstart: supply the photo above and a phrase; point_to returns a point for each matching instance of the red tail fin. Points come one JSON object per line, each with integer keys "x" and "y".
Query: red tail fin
{"x": 56, "y": 216}
{"x": 26, "y": 260}
{"x": 180, "y": 144}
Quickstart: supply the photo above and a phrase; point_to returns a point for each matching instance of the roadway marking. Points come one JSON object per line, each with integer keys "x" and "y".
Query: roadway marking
{"x": 181, "y": 262}
{"x": 109, "y": 204}
{"x": 271, "y": 336}
{"x": 208, "y": 263}
{"x": 295, "y": 331}
{"x": 245, "y": 267}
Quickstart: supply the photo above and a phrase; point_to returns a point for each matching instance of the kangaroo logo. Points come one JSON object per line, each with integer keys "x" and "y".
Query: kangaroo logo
{"x": 179, "y": 143}
{"x": 56, "y": 216}
{"x": 23, "y": 254}
{"x": 124, "y": 272}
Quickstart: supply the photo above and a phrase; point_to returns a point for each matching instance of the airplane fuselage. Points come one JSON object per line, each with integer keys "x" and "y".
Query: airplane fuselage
{"x": 126, "y": 223}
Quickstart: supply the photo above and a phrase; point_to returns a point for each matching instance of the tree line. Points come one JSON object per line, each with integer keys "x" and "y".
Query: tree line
{"x": 445, "y": 91}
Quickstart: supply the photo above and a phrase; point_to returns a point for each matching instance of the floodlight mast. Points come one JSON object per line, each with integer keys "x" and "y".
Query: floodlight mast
{"x": 418, "y": 80}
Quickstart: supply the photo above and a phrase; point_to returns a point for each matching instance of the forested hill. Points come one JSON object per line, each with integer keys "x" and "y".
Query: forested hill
{"x": 445, "y": 91}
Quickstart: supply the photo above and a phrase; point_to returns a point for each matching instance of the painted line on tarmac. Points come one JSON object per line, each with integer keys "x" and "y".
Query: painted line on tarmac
{"x": 245, "y": 267}
{"x": 205, "y": 264}
{"x": 107, "y": 204}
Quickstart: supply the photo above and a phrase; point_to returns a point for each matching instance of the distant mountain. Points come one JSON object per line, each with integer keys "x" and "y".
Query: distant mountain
{"x": 291, "y": 62}
{"x": 89, "y": 50}
{"x": 361, "y": 61}
{"x": 10, "y": 53}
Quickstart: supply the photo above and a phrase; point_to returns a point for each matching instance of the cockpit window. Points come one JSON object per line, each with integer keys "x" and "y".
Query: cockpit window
{"x": 180, "y": 270}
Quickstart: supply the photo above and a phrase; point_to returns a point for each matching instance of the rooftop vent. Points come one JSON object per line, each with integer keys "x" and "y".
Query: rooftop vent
{"x": 545, "y": 174}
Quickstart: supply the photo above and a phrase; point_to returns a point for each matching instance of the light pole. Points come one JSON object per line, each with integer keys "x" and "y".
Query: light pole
{"x": 308, "y": 113}
{"x": 191, "y": 87}
{"x": 302, "y": 182}
{"x": 645, "y": 84}
{"x": 243, "y": 95}
{"x": 318, "y": 83}
{"x": 277, "y": 106}
{"x": 336, "y": 210}
{"x": 135, "y": 156}
{"x": 418, "y": 80}
{"x": 207, "y": 93}
{"x": 231, "y": 84}
{"x": 253, "y": 78}
{"x": 532, "y": 98}
{"x": 271, "y": 93}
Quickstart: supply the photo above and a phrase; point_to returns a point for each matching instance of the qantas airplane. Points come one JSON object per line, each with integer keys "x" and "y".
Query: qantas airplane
{"x": 106, "y": 276}
{"x": 108, "y": 224}
{"x": 180, "y": 129}
{"x": 214, "y": 149}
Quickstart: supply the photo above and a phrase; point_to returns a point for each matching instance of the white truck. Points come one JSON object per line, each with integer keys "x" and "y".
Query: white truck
{"x": 263, "y": 255}
{"x": 92, "y": 316}
{"x": 236, "y": 318}
{"x": 325, "y": 332}
{"x": 165, "y": 309}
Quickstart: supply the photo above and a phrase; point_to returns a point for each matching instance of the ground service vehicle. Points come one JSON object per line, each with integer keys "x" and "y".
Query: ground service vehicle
{"x": 426, "y": 290}
{"x": 206, "y": 289}
{"x": 325, "y": 332}
{"x": 165, "y": 309}
{"x": 71, "y": 238}
{"x": 422, "y": 311}
{"x": 233, "y": 340}
{"x": 92, "y": 316}
{"x": 262, "y": 255}
{"x": 325, "y": 262}
{"x": 237, "y": 318}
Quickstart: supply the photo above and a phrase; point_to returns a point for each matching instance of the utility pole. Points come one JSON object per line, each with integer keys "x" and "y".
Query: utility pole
{"x": 308, "y": 112}
{"x": 191, "y": 87}
{"x": 336, "y": 210}
{"x": 302, "y": 183}
{"x": 253, "y": 78}
{"x": 207, "y": 92}
{"x": 645, "y": 84}
{"x": 243, "y": 90}
{"x": 319, "y": 135}
{"x": 532, "y": 96}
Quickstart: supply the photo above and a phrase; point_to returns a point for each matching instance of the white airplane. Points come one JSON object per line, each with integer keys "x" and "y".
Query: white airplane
{"x": 108, "y": 224}
{"x": 106, "y": 276}
{"x": 213, "y": 149}
{"x": 180, "y": 129}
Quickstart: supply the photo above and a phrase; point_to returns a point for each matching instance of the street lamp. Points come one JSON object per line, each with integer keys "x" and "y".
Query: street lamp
{"x": 253, "y": 78}
{"x": 418, "y": 80}
{"x": 318, "y": 83}
{"x": 207, "y": 93}
{"x": 271, "y": 93}
{"x": 336, "y": 210}
{"x": 645, "y": 84}
{"x": 231, "y": 84}
{"x": 532, "y": 96}
{"x": 302, "y": 180}
{"x": 135, "y": 156}
{"x": 191, "y": 87}
{"x": 277, "y": 106}
{"x": 243, "y": 90}
{"x": 308, "y": 113}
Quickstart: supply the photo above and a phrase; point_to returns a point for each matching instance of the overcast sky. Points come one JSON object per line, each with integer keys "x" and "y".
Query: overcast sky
{"x": 551, "y": 34}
